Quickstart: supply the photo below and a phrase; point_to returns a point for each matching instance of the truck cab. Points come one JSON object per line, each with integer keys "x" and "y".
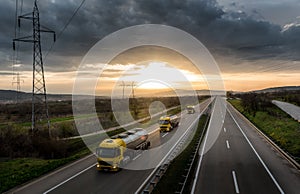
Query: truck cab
{"x": 110, "y": 154}
{"x": 168, "y": 123}
{"x": 190, "y": 109}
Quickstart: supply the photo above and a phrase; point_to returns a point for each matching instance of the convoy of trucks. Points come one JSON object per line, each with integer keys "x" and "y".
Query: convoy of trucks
{"x": 190, "y": 109}
{"x": 167, "y": 123}
{"x": 117, "y": 151}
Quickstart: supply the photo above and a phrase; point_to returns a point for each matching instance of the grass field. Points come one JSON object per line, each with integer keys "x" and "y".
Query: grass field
{"x": 279, "y": 126}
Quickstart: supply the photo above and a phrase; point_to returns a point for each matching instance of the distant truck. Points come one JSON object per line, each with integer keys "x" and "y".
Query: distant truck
{"x": 167, "y": 123}
{"x": 115, "y": 152}
{"x": 190, "y": 109}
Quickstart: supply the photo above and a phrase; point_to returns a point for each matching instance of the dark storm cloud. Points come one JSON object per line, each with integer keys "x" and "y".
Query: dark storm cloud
{"x": 220, "y": 31}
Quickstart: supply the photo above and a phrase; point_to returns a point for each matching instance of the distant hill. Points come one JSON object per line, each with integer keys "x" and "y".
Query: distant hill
{"x": 10, "y": 96}
{"x": 179, "y": 92}
{"x": 278, "y": 89}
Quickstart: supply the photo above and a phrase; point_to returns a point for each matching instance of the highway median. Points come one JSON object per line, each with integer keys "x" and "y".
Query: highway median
{"x": 172, "y": 181}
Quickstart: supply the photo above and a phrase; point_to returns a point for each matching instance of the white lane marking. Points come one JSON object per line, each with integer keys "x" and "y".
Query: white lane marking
{"x": 69, "y": 178}
{"x": 224, "y": 129}
{"x": 165, "y": 134}
{"x": 52, "y": 173}
{"x": 160, "y": 163}
{"x": 261, "y": 161}
{"x": 227, "y": 143}
{"x": 202, "y": 151}
{"x": 137, "y": 157}
{"x": 235, "y": 182}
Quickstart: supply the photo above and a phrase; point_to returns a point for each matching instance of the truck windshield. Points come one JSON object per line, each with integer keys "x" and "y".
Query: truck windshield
{"x": 107, "y": 152}
{"x": 163, "y": 122}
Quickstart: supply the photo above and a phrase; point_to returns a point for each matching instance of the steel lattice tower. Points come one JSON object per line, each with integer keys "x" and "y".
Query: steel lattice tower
{"x": 40, "y": 112}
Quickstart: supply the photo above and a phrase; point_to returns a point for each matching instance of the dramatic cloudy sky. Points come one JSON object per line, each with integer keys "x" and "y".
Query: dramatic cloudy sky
{"x": 255, "y": 43}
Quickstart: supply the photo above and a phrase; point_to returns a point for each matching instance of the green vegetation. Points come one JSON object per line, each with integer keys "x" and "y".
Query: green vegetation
{"x": 275, "y": 123}
{"x": 169, "y": 183}
{"x": 17, "y": 171}
{"x": 291, "y": 97}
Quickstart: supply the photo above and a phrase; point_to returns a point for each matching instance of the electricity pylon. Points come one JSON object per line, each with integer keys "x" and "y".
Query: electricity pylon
{"x": 132, "y": 85}
{"x": 39, "y": 94}
{"x": 17, "y": 80}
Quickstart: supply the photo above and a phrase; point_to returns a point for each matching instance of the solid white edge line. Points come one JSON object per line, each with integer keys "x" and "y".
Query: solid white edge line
{"x": 227, "y": 143}
{"x": 146, "y": 180}
{"x": 50, "y": 174}
{"x": 165, "y": 134}
{"x": 136, "y": 156}
{"x": 202, "y": 151}
{"x": 235, "y": 182}
{"x": 261, "y": 161}
{"x": 49, "y": 190}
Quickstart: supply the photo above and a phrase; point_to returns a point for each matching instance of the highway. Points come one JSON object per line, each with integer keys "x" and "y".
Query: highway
{"x": 291, "y": 109}
{"x": 235, "y": 159}
{"x": 241, "y": 160}
{"x": 82, "y": 176}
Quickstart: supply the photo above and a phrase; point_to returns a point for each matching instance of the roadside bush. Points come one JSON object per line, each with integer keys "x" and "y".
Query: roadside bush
{"x": 15, "y": 144}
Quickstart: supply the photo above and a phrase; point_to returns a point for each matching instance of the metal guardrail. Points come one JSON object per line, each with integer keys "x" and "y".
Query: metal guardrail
{"x": 156, "y": 175}
{"x": 192, "y": 159}
{"x": 163, "y": 168}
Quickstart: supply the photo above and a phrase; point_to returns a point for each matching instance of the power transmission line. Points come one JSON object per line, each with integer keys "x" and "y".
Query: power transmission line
{"x": 132, "y": 85}
{"x": 15, "y": 73}
{"x": 64, "y": 28}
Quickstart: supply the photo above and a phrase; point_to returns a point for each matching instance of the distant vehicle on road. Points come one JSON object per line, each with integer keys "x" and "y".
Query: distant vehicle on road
{"x": 117, "y": 151}
{"x": 190, "y": 109}
{"x": 167, "y": 123}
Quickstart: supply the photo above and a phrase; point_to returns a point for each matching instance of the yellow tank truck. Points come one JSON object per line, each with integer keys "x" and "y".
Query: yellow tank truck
{"x": 115, "y": 152}
{"x": 167, "y": 123}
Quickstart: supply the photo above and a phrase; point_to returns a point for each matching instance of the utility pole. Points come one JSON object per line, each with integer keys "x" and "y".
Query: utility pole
{"x": 39, "y": 95}
{"x": 123, "y": 85}
{"x": 132, "y": 88}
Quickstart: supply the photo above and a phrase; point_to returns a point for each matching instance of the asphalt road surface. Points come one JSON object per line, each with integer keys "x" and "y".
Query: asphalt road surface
{"x": 241, "y": 160}
{"x": 82, "y": 176}
{"x": 291, "y": 109}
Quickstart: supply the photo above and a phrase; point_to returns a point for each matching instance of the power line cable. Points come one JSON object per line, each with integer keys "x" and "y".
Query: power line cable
{"x": 64, "y": 28}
